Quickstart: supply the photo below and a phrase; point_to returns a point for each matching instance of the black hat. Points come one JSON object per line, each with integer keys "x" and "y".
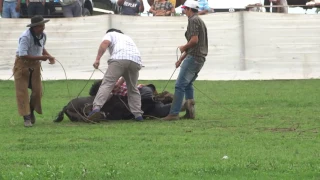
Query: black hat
{"x": 114, "y": 30}
{"x": 37, "y": 20}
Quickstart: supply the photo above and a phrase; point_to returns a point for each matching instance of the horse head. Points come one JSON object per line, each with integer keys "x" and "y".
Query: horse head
{"x": 95, "y": 88}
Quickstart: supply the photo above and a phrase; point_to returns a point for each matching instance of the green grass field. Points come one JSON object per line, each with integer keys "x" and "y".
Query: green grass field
{"x": 268, "y": 130}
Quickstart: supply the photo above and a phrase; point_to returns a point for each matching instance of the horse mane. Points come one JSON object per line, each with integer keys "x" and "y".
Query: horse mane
{"x": 94, "y": 88}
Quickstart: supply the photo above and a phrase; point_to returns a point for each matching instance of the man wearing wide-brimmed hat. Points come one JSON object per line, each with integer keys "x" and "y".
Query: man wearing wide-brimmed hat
{"x": 31, "y": 52}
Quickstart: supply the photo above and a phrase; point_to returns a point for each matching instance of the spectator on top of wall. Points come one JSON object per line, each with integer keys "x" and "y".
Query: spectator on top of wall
{"x": 35, "y": 7}
{"x": 162, "y": 8}
{"x": 173, "y": 2}
{"x": 10, "y": 8}
{"x": 71, "y": 8}
{"x": 257, "y": 7}
{"x": 204, "y": 7}
{"x": 280, "y": 3}
{"x": 131, "y": 7}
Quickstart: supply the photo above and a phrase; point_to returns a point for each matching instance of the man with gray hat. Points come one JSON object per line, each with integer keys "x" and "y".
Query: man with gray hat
{"x": 31, "y": 52}
{"x": 193, "y": 56}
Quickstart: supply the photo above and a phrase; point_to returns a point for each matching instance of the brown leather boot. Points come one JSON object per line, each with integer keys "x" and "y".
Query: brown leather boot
{"x": 186, "y": 116}
{"x": 184, "y": 106}
{"x": 171, "y": 117}
{"x": 190, "y": 111}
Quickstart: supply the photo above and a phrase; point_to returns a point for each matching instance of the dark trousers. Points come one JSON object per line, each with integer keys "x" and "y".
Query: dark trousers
{"x": 35, "y": 8}
{"x": 24, "y": 10}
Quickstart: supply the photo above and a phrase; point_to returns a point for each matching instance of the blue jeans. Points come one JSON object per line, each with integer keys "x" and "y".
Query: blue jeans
{"x": 9, "y": 10}
{"x": 184, "y": 85}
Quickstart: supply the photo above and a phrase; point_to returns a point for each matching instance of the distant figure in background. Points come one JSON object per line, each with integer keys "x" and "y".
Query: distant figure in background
{"x": 173, "y": 2}
{"x": 23, "y": 9}
{"x": 71, "y": 8}
{"x": 162, "y": 8}
{"x": 131, "y": 7}
{"x": 257, "y": 7}
{"x": 204, "y": 8}
{"x": 10, "y": 8}
{"x": 35, "y": 7}
{"x": 280, "y": 3}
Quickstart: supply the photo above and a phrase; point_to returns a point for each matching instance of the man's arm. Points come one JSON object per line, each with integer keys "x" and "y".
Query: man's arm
{"x": 182, "y": 57}
{"x": 45, "y": 52}
{"x": 118, "y": 84}
{"x": 51, "y": 59}
{"x": 35, "y": 58}
{"x": 168, "y": 13}
{"x": 152, "y": 10}
{"x": 193, "y": 42}
{"x": 1, "y": 2}
{"x": 171, "y": 10}
{"x": 102, "y": 49}
{"x": 18, "y": 6}
{"x": 141, "y": 7}
{"x": 120, "y": 2}
{"x": 121, "y": 81}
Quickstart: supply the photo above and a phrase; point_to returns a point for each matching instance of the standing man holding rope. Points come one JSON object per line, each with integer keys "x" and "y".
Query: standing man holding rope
{"x": 31, "y": 51}
{"x": 193, "y": 56}
{"x": 125, "y": 61}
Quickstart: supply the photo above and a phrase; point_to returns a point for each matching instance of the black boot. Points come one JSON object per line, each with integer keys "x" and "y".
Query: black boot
{"x": 33, "y": 118}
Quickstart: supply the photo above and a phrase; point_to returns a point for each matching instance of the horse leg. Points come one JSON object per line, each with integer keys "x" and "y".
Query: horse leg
{"x": 60, "y": 115}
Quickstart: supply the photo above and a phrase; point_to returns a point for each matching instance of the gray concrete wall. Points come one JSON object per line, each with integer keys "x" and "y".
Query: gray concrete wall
{"x": 244, "y": 45}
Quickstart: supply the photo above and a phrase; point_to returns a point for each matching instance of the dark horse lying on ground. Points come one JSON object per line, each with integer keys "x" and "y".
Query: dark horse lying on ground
{"x": 117, "y": 107}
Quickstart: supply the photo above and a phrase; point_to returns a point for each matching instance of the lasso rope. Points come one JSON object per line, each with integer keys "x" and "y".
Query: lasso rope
{"x": 83, "y": 117}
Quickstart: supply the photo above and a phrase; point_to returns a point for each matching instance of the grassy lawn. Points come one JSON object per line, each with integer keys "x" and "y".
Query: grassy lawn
{"x": 268, "y": 130}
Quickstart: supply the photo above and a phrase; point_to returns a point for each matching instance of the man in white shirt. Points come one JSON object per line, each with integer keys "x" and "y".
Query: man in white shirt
{"x": 125, "y": 61}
